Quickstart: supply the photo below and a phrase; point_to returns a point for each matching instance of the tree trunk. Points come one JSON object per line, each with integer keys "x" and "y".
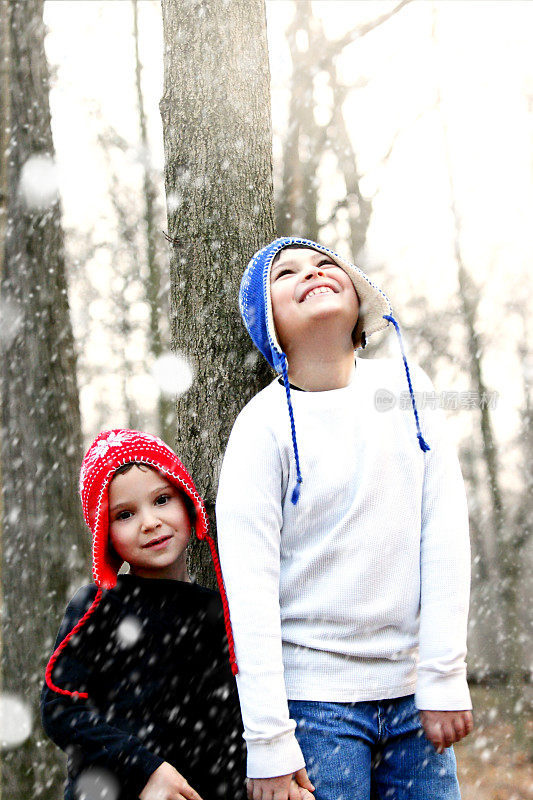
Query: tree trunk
{"x": 44, "y": 542}
{"x": 153, "y": 266}
{"x": 289, "y": 199}
{"x": 296, "y": 212}
{"x": 218, "y": 177}
{"x": 359, "y": 208}
{"x": 519, "y": 575}
{"x": 506, "y": 545}
{"x": 306, "y": 142}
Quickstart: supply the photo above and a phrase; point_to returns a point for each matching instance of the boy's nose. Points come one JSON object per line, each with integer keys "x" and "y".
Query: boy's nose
{"x": 149, "y": 521}
{"x": 313, "y": 272}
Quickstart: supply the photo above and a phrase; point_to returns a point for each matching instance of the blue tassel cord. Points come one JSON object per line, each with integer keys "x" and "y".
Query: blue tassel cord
{"x": 424, "y": 446}
{"x": 296, "y": 491}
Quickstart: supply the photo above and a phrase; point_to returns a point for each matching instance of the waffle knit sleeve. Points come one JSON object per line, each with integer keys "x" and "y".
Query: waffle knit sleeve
{"x": 249, "y": 520}
{"x": 444, "y": 570}
{"x": 77, "y": 727}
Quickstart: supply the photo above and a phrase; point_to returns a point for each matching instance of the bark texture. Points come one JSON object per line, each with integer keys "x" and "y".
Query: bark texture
{"x": 218, "y": 179}
{"x": 44, "y": 541}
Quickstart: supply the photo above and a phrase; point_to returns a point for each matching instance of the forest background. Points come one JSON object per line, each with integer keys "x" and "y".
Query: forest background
{"x": 402, "y": 136}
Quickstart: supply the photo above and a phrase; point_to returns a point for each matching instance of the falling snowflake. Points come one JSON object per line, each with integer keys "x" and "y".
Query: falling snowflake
{"x": 173, "y": 373}
{"x": 128, "y": 631}
{"x": 15, "y": 721}
{"x": 174, "y": 201}
{"x": 12, "y": 320}
{"x": 251, "y": 359}
{"x": 39, "y": 186}
{"x": 97, "y": 784}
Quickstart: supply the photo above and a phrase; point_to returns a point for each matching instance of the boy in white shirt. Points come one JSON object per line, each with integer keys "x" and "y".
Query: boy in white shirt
{"x": 343, "y": 538}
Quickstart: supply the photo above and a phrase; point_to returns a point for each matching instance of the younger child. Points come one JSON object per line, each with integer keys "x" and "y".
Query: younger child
{"x": 343, "y": 536}
{"x": 139, "y": 691}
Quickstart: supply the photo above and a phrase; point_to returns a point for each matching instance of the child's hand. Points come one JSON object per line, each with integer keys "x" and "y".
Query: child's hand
{"x": 299, "y": 792}
{"x": 166, "y": 783}
{"x": 444, "y": 728}
{"x": 284, "y": 787}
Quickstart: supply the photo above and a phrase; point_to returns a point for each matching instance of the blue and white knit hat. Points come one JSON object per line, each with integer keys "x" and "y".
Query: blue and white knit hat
{"x": 255, "y": 303}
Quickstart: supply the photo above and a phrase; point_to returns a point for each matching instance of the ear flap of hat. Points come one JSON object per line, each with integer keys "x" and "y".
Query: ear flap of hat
{"x": 201, "y": 525}
{"x": 106, "y": 564}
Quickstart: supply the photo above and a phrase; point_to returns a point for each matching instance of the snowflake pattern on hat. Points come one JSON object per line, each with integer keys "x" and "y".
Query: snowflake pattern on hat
{"x": 101, "y": 446}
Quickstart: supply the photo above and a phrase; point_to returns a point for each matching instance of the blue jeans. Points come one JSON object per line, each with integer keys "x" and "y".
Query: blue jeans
{"x": 372, "y": 751}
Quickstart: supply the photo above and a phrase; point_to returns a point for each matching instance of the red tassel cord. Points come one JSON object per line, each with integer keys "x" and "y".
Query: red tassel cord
{"x": 57, "y": 652}
{"x": 225, "y": 606}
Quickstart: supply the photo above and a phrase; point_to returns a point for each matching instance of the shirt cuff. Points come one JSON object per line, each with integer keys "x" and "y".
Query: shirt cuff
{"x": 438, "y": 692}
{"x": 274, "y": 757}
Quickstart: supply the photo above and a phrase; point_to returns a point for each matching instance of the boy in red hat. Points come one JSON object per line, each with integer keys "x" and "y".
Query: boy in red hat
{"x": 139, "y": 692}
{"x": 343, "y": 536}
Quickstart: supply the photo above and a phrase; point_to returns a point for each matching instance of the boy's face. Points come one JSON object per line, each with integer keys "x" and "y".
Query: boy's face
{"x": 149, "y": 526}
{"x": 307, "y": 286}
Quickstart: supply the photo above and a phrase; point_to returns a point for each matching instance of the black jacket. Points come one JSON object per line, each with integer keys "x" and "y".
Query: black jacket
{"x": 153, "y": 659}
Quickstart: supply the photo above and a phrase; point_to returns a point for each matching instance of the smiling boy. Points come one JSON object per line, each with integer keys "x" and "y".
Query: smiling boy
{"x": 315, "y": 307}
{"x": 343, "y": 535}
{"x": 139, "y": 692}
{"x": 149, "y": 524}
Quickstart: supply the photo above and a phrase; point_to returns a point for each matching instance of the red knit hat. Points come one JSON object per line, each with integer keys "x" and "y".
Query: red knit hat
{"x": 109, "y": 451}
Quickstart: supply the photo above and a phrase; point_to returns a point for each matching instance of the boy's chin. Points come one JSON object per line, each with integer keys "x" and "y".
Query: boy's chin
{"x": 325, "y": 330}
{"x": 328, "y": 312}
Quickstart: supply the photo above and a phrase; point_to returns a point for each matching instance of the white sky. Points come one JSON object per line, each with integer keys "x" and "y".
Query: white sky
{"x": 481, "y": 58}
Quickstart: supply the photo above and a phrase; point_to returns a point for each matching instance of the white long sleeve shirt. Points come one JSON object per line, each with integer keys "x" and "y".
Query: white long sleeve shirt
{"x": 360, "y": 590}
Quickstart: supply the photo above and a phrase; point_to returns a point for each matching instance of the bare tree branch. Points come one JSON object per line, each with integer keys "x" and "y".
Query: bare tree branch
{"x": 357, "y": 33}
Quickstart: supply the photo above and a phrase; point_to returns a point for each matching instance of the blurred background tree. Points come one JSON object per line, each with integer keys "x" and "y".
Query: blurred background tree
{"x": 44, "y": 545}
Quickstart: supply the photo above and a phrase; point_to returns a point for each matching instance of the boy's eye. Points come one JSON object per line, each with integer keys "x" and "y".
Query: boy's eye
{"x": 124, "y": 515}
{"x": 326, "y": 263}
{"x": 282, "y": 272}
{"x": 162, "y": 499}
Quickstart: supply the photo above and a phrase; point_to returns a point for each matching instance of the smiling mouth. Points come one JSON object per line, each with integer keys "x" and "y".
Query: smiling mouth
{"x": 157, "y": 541}
{"x": 318, "y": 290}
